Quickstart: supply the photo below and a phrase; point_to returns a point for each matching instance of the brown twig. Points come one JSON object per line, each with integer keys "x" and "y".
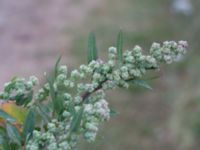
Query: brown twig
{"x": 87, "y": 93}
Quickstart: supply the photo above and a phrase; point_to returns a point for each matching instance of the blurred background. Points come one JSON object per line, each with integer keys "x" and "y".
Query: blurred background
{"x": 33, "y": 33}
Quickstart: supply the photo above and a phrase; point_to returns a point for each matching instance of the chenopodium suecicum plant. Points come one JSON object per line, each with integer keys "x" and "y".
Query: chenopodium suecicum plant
{"x": 73, "y": 104}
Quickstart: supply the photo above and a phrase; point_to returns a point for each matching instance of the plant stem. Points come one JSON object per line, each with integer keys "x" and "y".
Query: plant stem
{"x": 87, "y": 93}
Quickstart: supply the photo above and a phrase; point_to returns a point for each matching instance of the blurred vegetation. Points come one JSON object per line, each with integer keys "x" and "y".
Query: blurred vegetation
{"x": 167, "y": 117}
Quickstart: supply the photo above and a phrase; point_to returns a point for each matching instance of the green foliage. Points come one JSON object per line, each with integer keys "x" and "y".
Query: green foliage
{"x": 19, "y": 90}
{"x": 120, "y": 46}
{"x": 29, "y": 124}
{"x": 13, "y": 134}
{"x": 2, "y": 135}
{"x": 73, "y": 104}
{"x": 75, "y": 125}
{"x": 43, "y": 111}
{"x": 92, "y": 48}
{"x": 57, "y": 101}
{"x": 141, "y": 83}
{"x": 56, "y": 66}
{"x": 6, "y": 116}
{"x": 113, "y": 112}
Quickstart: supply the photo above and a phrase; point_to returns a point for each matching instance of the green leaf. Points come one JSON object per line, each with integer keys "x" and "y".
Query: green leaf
{"x": 58, "y": 105}
{"x": 9, "y": 87}
{"x": 113, "y": 112}
{"x": 71, "y": 108}
{"x": 5, "y": 145}
{"x": 2, "y": 135}
{"x": 76, "y": 122}
{"x": 14, "y": 79}
{"x": 152, "y": 78}
{"x": 4, "y": 141}
{"x": 24, "y": 99}
{"x": 92, "y": 49}
{"x": 13, "y": 133}
{"x": 120, "y": 46}
{"x": 141, "y": 83}
{"x": 17, "y": 112}
{"x": 52, "y": 91}
{"x": 56, "y": 66}
{"x": 43, "y": 111}
{"x": 57, "y": 100}
{"x": 6, "y": 116}
{"x": 29, "y": 124}
{"x": 53, "y": 95}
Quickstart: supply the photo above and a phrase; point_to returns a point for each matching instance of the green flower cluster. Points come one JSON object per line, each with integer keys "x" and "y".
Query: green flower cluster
{"x": 19, "y": 89}
{"x": 90, "y": 96}
{"x": 85, "y": 108}
{"x": 169, "y": 52}
{"x": 94, "y": 114}
{"x": 57, "y": 137}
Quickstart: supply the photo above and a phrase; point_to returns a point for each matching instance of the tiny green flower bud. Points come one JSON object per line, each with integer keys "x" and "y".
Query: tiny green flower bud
{"x": 75, "y": 74}
{"x": 62, "y": 69}
{"x": 34, "y": 80}
{"x": 112, "y": 50}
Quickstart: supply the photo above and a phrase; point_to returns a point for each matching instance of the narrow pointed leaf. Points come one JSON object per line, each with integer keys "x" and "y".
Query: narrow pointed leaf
{"x": 6, "y": 116}
{"x": 56, "y": 66}
{"x": 17, "y": 112}
{"x": 57, "y": 100}
{"x": 153, "y": 78}
{"x": 1, "y": 140}
{"x": 71, "y": 108}
{"x": 76, "y": 122}
{"x": 52, "y": 92}
{"x": 44, "y": 111}
{"x": 113, "y": 112}
{"x": 2, "y": 135}
{"x": 29, "y": 124}
{"x": 13, "y": 133}
{"x": 24, "y": 99}
{"x": 141, "y": 83}
{"x": 120, "y": 46}
{"x": 92, "y": 49}
{"x": 5, "y": 145}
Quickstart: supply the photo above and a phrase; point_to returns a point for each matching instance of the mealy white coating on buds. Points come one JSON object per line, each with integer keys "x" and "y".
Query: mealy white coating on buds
{"x": 49, "y": 140}
{"x": 62, "y": 70}
{"x": 169, "y": 52}
{"x": 91, "y": 96}
{"x": 61, "y": 78}
{"x": 112, "y": 50}
{"x": 18, "y": 87}
{"x": 102, "y": 109}
{"x": 112, "y": 53}
{"x": 94, "y": 114}
{"x": 75, "y": 74}
{"x": 67, "y": 96}
{"x": 78, "y": 99}
{"x": 34, "y": 80}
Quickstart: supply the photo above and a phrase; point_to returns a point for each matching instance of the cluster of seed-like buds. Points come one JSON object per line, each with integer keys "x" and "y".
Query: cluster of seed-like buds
{"x": 170, "y": 51}
{"x": 55, "y": 138}
{"x": 94, "y": 114}
{"x": 42, "y": 93}
{"x": 91, "y": 96}
{"x": 18, "y": 87}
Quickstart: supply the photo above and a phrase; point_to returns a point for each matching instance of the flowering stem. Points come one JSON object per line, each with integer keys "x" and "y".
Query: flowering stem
{"x": 87, "y": 93}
